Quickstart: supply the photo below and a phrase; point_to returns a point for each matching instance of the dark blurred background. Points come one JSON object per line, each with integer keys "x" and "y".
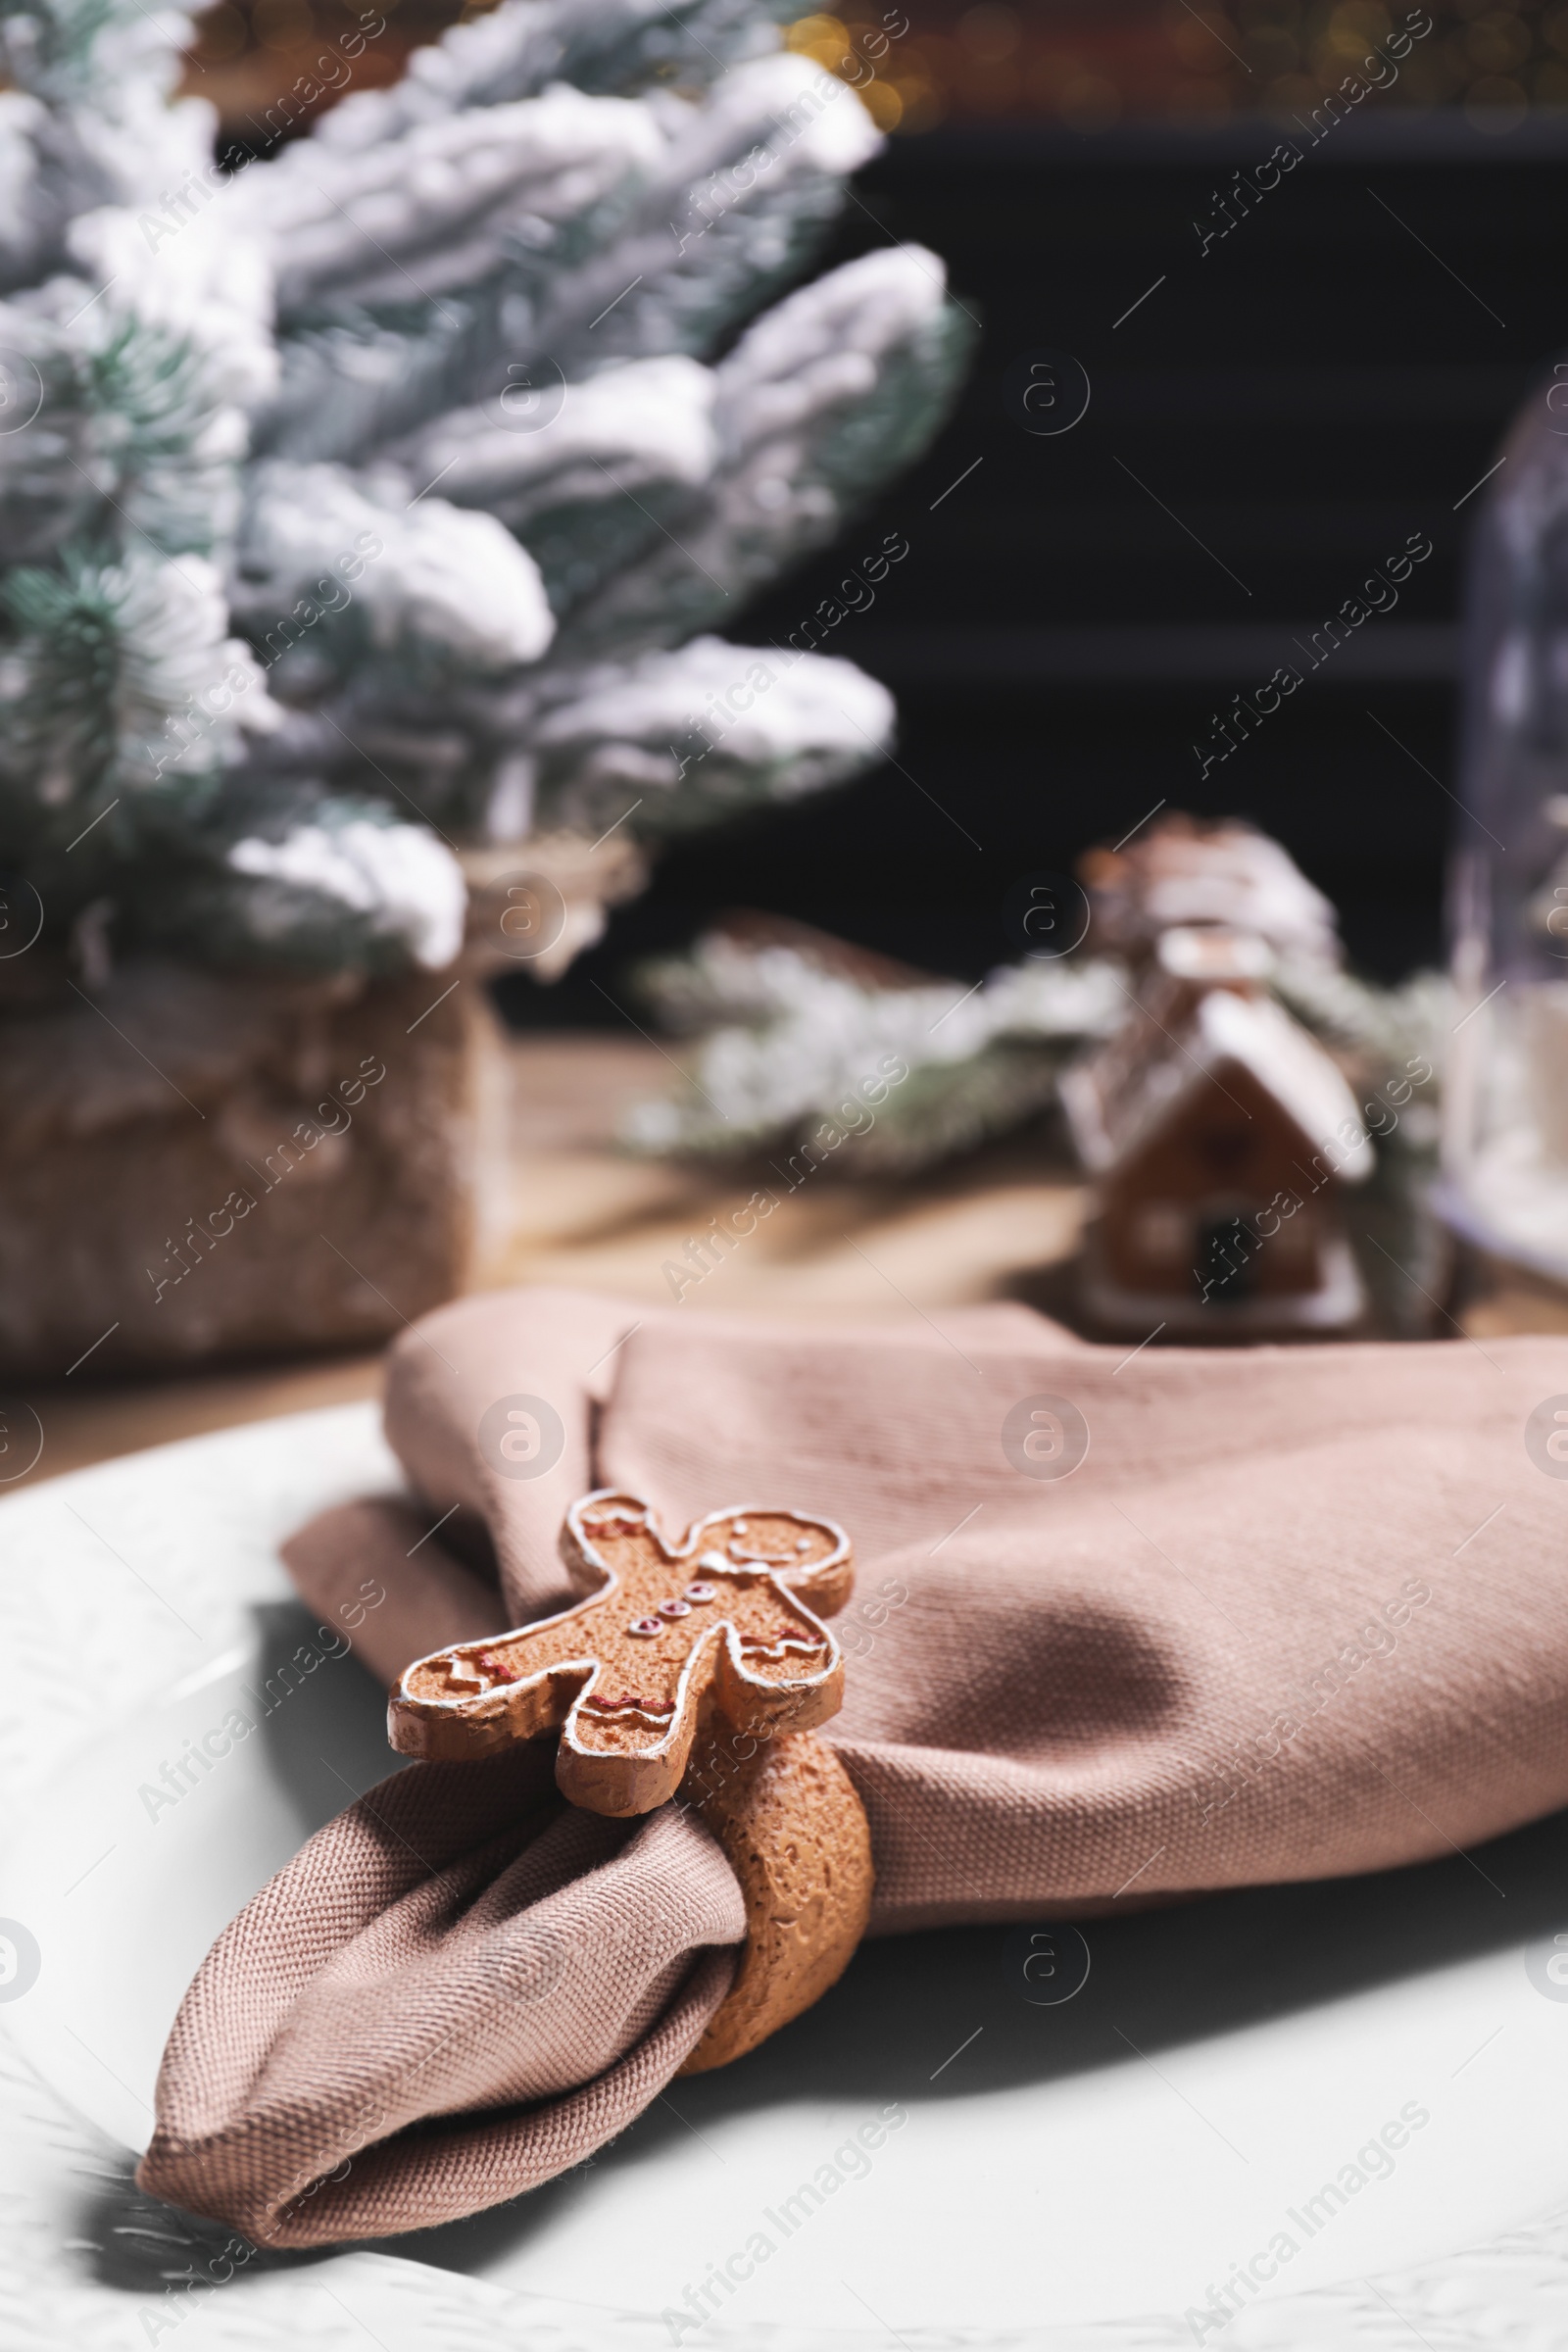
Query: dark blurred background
{"x": 1268, "y": 421}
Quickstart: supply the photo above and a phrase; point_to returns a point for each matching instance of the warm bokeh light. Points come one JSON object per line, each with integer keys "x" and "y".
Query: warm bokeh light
{"x": 1082, "y": 64}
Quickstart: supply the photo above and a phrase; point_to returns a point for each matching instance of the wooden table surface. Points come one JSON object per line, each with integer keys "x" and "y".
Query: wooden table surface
{"x": 581, "y": 1211}
{"x": 1003, "y": 1223}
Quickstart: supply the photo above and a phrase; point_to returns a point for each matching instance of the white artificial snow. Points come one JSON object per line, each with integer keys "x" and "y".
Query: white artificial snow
{"x": 461, "y": 580}
{"x": 809, "y": 120}
{"x": 821, "y": 342}
{"x": 424, "y": 569}
{"x": 798, "y": 708}
{"x": 1249, "y": 882}
{"x": 186, "y": 689}
{"x": 190, "y": 269}
{"x": 431, "y": 211}
{"x": 400, "y": 874}
{"x": 646, "y": 420}
{"x": 23, "y": 209}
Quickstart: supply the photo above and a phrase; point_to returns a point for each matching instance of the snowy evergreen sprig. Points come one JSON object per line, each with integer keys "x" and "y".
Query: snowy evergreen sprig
{"x": 795, "y": 1040}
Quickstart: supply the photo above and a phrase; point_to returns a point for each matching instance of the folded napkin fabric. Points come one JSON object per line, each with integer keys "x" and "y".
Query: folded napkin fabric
{"x": 1124, "y": 1628}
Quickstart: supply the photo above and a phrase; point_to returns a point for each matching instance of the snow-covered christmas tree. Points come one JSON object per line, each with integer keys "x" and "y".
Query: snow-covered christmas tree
{"x": 381, "y": 496}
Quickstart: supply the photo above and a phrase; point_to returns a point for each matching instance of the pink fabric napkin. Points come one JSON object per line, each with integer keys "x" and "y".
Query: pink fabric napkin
{"x": 1125, "y": 1628}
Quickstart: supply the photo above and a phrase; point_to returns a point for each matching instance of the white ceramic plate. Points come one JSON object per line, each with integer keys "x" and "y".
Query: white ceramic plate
{"x": 1371, "y": 2072}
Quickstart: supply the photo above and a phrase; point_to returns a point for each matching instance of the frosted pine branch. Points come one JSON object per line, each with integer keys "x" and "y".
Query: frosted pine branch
{"x": 713, "y": 727}
{"x": 382, "y": 482}
{"x": 807, "y": 1039}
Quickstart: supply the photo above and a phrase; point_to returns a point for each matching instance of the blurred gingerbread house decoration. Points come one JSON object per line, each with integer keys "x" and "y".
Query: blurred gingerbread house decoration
{"x": 1220, "y": 1135}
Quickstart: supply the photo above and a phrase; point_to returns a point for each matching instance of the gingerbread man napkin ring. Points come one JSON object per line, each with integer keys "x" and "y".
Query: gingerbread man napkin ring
{"x": 695, "y": 1668}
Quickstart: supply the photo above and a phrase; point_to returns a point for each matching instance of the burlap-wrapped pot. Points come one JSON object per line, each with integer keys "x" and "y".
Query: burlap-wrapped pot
{"x": 198, "y": 1166}
{"x": 194, "y": 1166}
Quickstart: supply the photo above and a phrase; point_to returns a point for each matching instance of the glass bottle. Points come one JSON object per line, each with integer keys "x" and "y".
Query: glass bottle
{"x": 1505, "y": 1093}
